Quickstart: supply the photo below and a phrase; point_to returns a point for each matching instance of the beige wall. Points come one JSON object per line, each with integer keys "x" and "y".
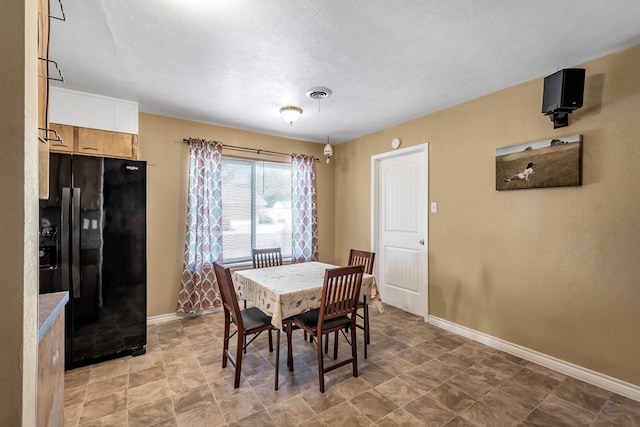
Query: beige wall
{"x": 168, "y": 159}
{"x": 554, "y": 270}
{"x": 19, "y": 198}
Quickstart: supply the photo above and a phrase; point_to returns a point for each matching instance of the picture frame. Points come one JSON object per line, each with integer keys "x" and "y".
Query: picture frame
{"x": 554, "y": 162}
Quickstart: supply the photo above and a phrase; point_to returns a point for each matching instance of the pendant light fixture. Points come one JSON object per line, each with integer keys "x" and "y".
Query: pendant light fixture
{"x": 328, "y": 150}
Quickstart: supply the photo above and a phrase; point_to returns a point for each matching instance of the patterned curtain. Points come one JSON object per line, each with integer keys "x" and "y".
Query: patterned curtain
{"x": 304, "y": 216}
{"x": 203, "y": 238}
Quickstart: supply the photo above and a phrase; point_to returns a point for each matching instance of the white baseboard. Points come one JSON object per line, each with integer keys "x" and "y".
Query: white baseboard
{"x": 163, "y": 318}
{"x": 606, "y": 382}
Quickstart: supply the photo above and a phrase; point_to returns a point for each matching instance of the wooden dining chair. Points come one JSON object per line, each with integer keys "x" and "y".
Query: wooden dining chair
{"x": 251, "y": 321}
{"x": 338, "y": 305}
{"x": 267, "y": 257}
{"x": 364, "y": 258}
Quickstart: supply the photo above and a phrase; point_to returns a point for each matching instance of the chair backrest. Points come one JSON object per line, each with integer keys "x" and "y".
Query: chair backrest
{"x": 228, "y": 293}
{"x": 358, "y": 257}
{"x": 267, "y": 257}
{"x": 340, "y": 292}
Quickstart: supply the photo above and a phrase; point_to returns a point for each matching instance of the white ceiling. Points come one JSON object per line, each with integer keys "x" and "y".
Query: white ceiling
{"x": 236, "y": 62}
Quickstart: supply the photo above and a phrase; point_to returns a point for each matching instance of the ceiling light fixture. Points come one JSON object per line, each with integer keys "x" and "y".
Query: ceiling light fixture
{"x": 291, "y": 114}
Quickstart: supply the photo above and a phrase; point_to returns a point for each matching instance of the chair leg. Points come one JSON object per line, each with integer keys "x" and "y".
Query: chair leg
{"x": 335, "y": 345}
{"x": 365, "y": 346}
{"x": 225, "y": 345}
{"x": 365, "y": 331}
{"x": 277, "y": 373}
{"x": 366, "y": 323}
{"x": 270, "y": 341}
{"x": 354, "y": 351}
{"x": 326, "y": 346}
{"x": 241, "y": 339}
{"x": 289, "y": 326}
{"x": 320, "y": 362}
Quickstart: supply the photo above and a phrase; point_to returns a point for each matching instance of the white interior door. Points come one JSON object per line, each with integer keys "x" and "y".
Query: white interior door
{"x": 399, "y": 208}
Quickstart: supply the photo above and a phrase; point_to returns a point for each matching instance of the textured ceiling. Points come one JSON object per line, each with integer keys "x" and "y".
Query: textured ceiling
{"x": 236, "y": 62}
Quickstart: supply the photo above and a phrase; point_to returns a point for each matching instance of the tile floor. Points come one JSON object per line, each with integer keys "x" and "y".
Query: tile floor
{"x": 416, "y": 374}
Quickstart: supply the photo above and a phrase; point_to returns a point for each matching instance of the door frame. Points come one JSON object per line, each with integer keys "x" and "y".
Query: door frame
{"x": 375, "y": 170}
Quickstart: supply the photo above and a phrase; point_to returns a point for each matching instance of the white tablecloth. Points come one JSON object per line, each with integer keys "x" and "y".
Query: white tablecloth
{"x": 291, "y": 289}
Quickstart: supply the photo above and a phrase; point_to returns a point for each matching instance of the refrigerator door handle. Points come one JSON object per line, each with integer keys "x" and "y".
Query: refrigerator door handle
{"x": 75, "y": 242}
{"x": 64, "y": 238}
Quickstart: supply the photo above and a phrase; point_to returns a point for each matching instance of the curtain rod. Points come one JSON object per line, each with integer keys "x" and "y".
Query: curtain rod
{"x": 251, "y": 150}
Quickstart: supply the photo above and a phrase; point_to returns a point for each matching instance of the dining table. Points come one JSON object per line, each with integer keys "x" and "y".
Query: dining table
{"x": 286, "y": 290}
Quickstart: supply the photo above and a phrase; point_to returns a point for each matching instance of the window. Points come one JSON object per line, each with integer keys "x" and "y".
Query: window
{"x": 256, "y": 207}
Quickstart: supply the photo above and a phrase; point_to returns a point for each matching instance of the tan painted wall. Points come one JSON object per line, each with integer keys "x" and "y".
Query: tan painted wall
{"x": 19, "y": 213}
{"x": 554, "y": 270}
{"x": 168, "y": 159}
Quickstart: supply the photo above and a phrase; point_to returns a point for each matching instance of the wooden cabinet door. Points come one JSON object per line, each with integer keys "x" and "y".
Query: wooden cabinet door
{"x": 43, "y": 98}
{"x": 43, "y": 170}
{"x": 91, "y": 141}
{"x": 95, "y": 142}
{"x": 67, "y": 136}
{"x": 121, "y": 145}
{"x": 50, "y": 395}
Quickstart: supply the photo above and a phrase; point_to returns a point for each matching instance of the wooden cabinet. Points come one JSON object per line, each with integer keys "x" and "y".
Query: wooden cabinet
{"x": 51, "y": 376}
{"x": 50, "y": 394}
{"x": 95, "y": 142}
{"x": 121, "y": 145}
{"x": 67, "y": 138}
{"x": 91, "y": 141}
{"x": 43, "y": 98}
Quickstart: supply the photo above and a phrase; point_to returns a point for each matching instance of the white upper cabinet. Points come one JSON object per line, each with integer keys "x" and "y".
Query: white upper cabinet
{"x": 87, "y": 110}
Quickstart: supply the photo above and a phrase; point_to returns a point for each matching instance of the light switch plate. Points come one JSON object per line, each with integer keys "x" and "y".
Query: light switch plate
{"x": 434, "y": 207}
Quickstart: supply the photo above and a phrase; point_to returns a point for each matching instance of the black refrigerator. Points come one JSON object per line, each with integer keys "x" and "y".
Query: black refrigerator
{"x": 93, "y": 244}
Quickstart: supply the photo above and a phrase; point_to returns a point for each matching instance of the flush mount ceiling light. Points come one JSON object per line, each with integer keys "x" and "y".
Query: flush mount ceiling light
{"x": 291, "y": 114}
